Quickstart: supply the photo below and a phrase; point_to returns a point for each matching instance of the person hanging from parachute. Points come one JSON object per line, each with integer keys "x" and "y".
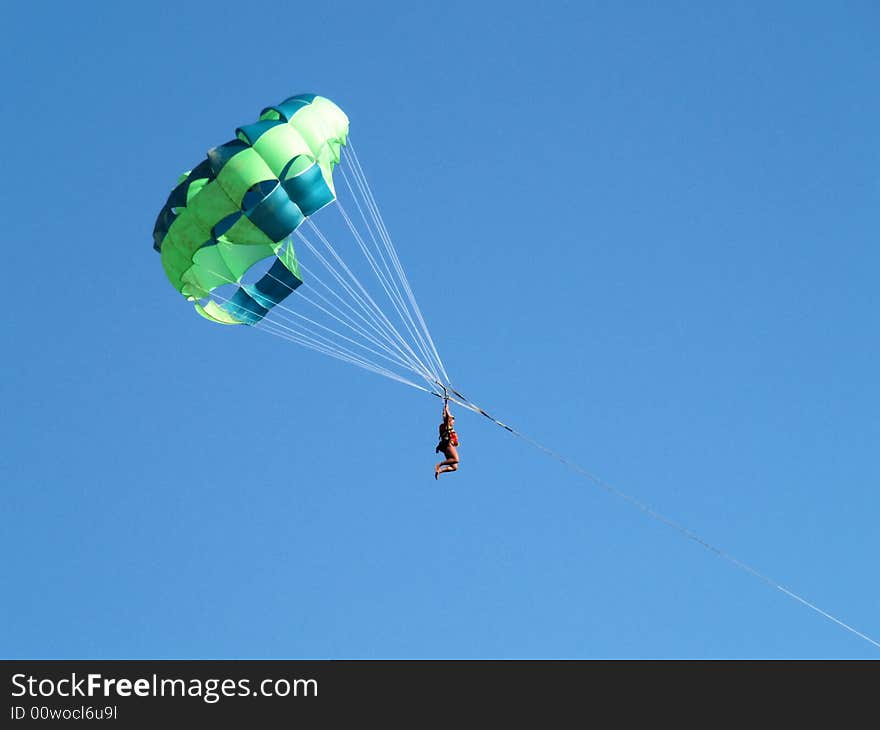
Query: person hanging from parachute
{"x": 448, "y": 443}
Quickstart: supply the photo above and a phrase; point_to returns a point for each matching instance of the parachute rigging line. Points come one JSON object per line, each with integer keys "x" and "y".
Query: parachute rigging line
{"x": 377, "y": 214}
{"x": 326, "y": 346}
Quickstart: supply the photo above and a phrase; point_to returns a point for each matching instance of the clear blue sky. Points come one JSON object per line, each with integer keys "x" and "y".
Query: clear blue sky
{"x": 645, "y": 236}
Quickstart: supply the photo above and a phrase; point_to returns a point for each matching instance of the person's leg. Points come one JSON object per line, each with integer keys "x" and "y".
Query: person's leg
{"x": 449, "y": 465}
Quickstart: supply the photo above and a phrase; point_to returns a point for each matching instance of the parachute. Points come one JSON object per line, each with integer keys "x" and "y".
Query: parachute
{"x": 239, "y": 234}
{"x": 226, "y": 237}
{"x": 240, "y": 204}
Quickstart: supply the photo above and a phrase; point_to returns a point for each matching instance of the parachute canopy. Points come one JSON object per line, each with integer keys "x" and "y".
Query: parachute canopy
{"x": 226, "y": 237}
{"x": 240, "y": 204}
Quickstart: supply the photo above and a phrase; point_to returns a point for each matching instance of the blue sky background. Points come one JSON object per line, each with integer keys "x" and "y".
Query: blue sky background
{"x": 645, "y": 236}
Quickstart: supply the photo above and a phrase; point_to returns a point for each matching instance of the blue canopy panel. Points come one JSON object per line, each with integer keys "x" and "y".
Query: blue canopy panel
{"x": 251, "y": 303}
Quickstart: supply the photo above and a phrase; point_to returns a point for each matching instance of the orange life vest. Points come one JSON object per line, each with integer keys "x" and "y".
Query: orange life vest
{"x": 448, "y": 434}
